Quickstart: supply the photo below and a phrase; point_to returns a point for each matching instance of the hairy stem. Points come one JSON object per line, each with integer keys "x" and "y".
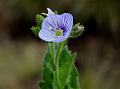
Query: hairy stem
{"x": 52, "y": 50}
{"x": 59, "y": 49}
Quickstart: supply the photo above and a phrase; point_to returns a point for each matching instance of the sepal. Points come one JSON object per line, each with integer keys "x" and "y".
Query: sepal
{"x": 39, "y": 20}
{"x": 77, "y": 30}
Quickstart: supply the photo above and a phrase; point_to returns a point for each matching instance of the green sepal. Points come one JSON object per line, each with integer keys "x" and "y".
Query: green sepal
{"x": 77, "y": 30}
{"x": 56, "y": 12}
{"x": 39, "y": 20}
{"x": 35, "y": 30}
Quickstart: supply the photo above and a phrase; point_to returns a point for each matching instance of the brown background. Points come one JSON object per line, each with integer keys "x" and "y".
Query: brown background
{"x": 21, "y": 52}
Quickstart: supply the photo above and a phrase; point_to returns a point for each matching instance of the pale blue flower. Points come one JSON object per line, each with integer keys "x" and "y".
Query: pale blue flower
{"x": 56, "y": 28}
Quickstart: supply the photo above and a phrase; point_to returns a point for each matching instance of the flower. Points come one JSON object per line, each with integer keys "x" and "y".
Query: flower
{"x": 55, "y": 27}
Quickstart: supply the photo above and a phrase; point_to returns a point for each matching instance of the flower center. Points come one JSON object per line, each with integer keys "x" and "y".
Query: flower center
{"x": 59, "y": 32}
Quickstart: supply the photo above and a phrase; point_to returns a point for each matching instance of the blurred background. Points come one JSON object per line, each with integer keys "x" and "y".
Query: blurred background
{"x": 98, "y": 48}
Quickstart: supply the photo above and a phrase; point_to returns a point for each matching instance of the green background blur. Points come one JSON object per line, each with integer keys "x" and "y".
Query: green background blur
{"x": 98, "y": 48}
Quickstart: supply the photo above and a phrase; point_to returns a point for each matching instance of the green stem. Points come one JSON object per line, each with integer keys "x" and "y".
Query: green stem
{"x": 55, "y": 55}
{"x": 59, "y": 49}
{"x": 52, "y": 50}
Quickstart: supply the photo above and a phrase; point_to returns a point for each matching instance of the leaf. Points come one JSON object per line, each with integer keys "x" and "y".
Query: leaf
{"x": 67, "y": 71}
{"x": 63, "y": 76}
{"x": 43, "y": 85}
{"x": 65, "y": 63}
{"x": 48, "y": 73}
{"x": 74, "y": 84}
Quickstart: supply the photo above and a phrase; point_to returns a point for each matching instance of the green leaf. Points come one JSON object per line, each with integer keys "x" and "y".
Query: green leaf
{"x": 43, "y": 85}
{"x": 67, "y": 71}
{"x": 59, "y": 72}
{"x": 74, "y": 84}
{"x": 48, "y": 72}
{"x": 65, "y": 63}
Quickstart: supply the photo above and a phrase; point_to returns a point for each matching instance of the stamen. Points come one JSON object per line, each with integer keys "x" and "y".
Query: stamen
{"x": 44, "y": 14}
